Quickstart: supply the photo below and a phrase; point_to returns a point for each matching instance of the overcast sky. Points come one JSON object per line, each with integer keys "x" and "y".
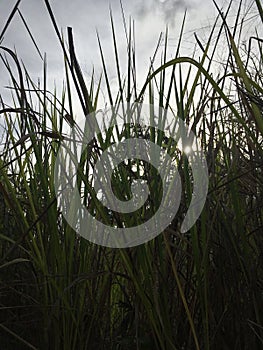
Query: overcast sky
{"x": 85, "y": 16}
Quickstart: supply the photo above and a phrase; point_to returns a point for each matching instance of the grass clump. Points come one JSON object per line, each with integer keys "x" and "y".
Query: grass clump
{"x": 198, "y": 290}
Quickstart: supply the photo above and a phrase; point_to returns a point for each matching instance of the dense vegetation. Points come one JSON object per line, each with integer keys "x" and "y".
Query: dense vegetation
{"x": 198, "y": 290}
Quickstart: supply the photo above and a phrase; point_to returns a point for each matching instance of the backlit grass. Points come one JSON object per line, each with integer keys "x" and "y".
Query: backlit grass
{"x": 198, "y": 290}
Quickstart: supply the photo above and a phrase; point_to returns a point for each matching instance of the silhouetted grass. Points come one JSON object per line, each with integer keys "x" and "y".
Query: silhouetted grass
{"x": 198, "y": 290}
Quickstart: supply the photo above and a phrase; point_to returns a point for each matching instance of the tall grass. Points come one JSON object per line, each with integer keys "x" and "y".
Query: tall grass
{"x": 198, "y": 290}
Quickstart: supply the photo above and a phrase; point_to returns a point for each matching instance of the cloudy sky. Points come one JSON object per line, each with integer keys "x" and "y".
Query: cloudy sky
{"x": 85, "y": 16}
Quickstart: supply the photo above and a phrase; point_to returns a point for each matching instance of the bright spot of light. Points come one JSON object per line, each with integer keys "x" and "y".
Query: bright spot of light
{"x": 187, "y": 149}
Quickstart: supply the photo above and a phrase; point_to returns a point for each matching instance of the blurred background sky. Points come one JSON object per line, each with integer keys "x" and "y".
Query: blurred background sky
{"x": 85, "y": 16}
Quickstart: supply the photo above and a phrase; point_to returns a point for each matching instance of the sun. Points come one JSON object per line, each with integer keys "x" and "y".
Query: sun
{"x": 187, "y": 149}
